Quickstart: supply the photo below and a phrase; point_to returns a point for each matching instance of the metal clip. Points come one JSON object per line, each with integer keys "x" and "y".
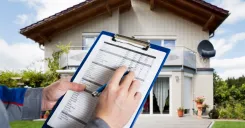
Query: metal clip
{"x": 131, "y": 41}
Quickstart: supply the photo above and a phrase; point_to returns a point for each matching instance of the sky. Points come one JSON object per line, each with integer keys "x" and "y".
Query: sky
{"x": 17, "y": 52}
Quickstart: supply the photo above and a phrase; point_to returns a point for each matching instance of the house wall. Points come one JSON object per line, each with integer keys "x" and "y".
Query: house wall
{"x": 74, "y": 34}
{"x": 141, "y": 21}
{"x": 203, "y": 86}
{"x": 176, "y": 92}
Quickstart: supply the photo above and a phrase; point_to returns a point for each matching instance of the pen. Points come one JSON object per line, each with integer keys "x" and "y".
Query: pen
{"x": 100, "y": 89}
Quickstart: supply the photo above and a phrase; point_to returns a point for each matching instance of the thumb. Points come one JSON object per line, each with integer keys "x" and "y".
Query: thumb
{"x": 77, "y": 87}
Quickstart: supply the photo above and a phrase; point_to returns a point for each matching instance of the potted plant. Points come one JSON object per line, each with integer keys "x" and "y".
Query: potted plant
{"x": 180, "y": 111}
{"x": 199, "y": 100}
{"x": 204, "y": 108}
{"x": 46, "y": 115}
{"x": 214, "y": 113}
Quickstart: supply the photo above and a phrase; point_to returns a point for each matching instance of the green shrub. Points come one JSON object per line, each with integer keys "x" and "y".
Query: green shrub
{"x": 229, "y": 97}
{"x": 224, "y": 113}
{"x": 239, "y": 111}
{"x": 232, "y": 111}
{"x": 6, "y": 78}
{"x": 35, "y": 78}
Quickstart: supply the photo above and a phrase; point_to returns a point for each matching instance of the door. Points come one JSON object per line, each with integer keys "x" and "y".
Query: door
{"x": 158, "y": 101}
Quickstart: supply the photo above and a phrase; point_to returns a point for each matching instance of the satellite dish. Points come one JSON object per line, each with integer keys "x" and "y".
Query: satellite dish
{"x": 206, "y": 49}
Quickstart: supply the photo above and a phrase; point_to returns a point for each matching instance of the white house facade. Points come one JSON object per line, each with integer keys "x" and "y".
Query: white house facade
{"x": 179, "y": 25}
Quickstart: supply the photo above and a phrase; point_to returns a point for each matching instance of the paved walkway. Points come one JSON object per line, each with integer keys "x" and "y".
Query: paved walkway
{"x": 171, "y": 122}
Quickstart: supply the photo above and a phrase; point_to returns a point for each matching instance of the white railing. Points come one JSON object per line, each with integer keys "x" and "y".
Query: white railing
{"x": 74, "y": 57}
{"x": 179, "y": 56}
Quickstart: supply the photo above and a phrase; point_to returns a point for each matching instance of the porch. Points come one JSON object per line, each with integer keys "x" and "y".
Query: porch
{"x": 171, "y": 122}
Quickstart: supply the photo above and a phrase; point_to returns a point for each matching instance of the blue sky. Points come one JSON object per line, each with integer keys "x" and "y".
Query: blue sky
{"x": 229, "y": 39}
{"x": 9, "y": 12}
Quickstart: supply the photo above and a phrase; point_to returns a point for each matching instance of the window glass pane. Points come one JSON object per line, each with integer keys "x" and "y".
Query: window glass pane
{"x": 156, "y": 42}
{"x": 169, "y": 43}
{"x": 161, "y": 96}
{"x": 88, "y": 42}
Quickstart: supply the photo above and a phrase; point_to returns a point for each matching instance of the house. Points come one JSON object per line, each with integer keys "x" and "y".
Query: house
{"x": 178, "y": 24}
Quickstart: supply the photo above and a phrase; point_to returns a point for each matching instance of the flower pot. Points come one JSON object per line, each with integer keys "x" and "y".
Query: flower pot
{"x": 180, "y": 113}
{"x": 45, "y": 116}
{"x": 199, "y": 103}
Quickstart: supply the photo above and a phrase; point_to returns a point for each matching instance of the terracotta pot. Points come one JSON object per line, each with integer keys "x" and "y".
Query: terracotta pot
{"x": 199, "y": 104}
{"x": 45, "y": 116}
{"x": 180, "y": 113}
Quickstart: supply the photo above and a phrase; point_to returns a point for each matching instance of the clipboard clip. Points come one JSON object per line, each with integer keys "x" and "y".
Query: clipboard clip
{"x": 131, "y": 41}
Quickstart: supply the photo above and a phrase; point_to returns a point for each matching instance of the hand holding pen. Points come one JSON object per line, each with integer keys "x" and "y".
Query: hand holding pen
{"x": 119, "y": 100}
{"x": 100, "y": 89}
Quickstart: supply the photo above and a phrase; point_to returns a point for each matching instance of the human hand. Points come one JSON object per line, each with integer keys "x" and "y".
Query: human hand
{"x": 119, "y": 100}
{"x": 53, "y": 92}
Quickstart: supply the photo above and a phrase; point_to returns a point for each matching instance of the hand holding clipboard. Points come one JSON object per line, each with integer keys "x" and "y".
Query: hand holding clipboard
{"x": 109, "y": 52}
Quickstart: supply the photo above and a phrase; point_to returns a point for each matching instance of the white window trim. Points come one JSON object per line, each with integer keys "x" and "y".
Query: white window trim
{"x": 167, "y": 37}
{"x": 188, "y": 75}
{"x": 88, "y": 34}
{"x": 162, "y": 38}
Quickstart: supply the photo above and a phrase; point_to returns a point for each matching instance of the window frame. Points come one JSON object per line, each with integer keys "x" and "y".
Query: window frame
{"x": 162, "y": 38}
{"x": 88, "y": 35}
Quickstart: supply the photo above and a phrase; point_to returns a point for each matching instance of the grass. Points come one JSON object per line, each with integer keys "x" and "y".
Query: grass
{"x": 26, "y": 124}
{"x": 228, "y": 124}
{"x": 39, "y": 124}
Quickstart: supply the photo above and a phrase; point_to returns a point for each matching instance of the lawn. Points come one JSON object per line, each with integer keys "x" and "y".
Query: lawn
{"x": 228, "y": 124}
{"x": 26, "y": 124}
{"x": 39, "y": 124}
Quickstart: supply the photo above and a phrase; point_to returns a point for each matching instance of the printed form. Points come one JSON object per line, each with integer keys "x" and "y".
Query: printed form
{"x": 77, "y": 109}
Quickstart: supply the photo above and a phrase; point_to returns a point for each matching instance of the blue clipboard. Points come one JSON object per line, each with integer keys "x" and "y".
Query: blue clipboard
{"x": 152, "y": 46}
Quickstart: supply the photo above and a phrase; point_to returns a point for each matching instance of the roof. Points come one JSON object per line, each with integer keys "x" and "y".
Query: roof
{"x": 56, "y": 15}
{"x": 197, "y": 11}
{"x": 213, "y": 7}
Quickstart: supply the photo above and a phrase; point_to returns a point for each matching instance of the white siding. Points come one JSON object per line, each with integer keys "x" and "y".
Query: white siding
{"x": 74, "y": 34}
{"x": 203, "y": 86}
{"x": 177, "y": 91}
{"x": 141, "y": 21}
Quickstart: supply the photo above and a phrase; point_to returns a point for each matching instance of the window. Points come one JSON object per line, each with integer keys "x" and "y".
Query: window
{"x": 158, "y": 102}
{"x": 165, "y": 43}
{"x": 88, "y": 41}
{"x": 161, "y": 96}
{"x": 169, "y": 43}
{"x": 156, "y": 42}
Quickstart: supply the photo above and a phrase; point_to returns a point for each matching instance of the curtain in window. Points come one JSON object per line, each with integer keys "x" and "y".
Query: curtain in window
{"x": 160, "y": 90}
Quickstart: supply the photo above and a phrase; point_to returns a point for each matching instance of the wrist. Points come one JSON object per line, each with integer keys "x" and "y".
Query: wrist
{"x": 109, "y": 122}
